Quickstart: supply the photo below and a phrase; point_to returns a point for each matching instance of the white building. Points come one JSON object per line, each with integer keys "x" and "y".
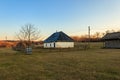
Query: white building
{"x": 59, "y": 40}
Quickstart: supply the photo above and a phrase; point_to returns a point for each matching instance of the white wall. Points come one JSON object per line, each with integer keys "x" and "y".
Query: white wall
{"x": 49, "y": 45}
{"x": 59, "y": 45}
{"x": 64, "y": 44}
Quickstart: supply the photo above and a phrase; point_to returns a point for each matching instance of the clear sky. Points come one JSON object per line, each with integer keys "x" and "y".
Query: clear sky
{"x": 70, "y": 16}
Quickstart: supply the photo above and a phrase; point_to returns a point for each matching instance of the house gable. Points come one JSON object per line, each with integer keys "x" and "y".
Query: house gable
{"x": 58, "y": 37}
{"x": 59, "y": 40}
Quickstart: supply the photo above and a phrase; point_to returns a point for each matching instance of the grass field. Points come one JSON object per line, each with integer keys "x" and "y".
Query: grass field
{"x": 57, "y": 64}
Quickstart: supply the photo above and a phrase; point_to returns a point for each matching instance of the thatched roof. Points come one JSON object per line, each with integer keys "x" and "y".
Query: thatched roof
{"x": 59, "y": 37}
{"x": 112, "y": 36}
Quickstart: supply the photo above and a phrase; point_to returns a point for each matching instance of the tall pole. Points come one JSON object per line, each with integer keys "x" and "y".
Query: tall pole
{"x": 89, "y": 36}
{"x": 89, "y": 33}
{"x": 6, "y": 38}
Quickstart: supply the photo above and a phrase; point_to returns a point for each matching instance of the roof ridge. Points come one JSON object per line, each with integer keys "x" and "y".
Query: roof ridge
{"x": 114, "y": 35}
{"x": 59, "y": 36}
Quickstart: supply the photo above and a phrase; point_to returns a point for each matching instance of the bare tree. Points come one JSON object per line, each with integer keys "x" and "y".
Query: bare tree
{"x": 97, "y": 34}
{"x": 103, "y": 34}
{"x": 28, "y": 33}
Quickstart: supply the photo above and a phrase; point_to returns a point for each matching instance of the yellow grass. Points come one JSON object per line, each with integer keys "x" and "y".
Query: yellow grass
{"x": 57, "y": 64}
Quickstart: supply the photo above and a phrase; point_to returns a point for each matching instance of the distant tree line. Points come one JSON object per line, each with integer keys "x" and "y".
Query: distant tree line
{"x": 96, "y": 37}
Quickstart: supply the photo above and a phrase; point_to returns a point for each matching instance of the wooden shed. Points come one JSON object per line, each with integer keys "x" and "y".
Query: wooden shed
{"x": 112, "y": 40}
{"x": 59, "y": 40}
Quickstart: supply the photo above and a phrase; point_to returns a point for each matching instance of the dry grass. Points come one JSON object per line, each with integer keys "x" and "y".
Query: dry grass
{"x": 47, "y": 64}
{"x": 7, "y": 44}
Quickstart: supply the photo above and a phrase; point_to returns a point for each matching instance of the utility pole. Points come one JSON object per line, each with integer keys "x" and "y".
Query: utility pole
{"x": 89, "y": 36}
{"x": 89, "y": 33}
{"x": 6, "y": 38}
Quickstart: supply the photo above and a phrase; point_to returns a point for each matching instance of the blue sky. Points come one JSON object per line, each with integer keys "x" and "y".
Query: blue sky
{"x": 71, "y": 16}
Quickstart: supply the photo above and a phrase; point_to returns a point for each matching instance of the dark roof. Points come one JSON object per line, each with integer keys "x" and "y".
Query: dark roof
{"x": 112, "y": 36}
{"x": 59, "y": 37}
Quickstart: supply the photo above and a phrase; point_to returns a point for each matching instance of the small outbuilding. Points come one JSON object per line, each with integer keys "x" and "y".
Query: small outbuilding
{"x": 112, "y": 40}
{"x": 59, "y": 40}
